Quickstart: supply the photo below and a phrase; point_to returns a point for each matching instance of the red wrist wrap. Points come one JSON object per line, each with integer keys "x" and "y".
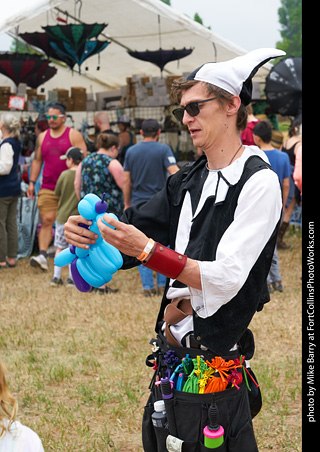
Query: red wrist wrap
{"x": 166, "y": 261}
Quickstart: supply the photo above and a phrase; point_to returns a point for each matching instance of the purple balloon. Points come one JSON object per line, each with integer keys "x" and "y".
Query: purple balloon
{"x": 83, "y": 225}
{"x": 101, "y": 206}
{"x": 80, "y": 283}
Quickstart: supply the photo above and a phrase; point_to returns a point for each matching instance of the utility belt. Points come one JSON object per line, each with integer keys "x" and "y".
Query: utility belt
{"x": 163, "y": 343}
{"x": 174, "y": 313}
{"x": 194, "y": 381}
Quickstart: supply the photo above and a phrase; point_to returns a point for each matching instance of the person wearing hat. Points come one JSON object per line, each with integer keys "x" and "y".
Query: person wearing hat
{"x": 67, "y": 205}
{"x": 127, "y": 138}
{"x": 146, "y": 169}
{"x": 212, "y": 231}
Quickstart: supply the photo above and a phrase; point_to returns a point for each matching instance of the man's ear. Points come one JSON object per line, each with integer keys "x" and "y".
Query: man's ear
{"x": 257, "y": 140}
{"x": 233, "y": 105}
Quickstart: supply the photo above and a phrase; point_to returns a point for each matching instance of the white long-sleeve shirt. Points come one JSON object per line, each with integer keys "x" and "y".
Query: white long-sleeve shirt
{"x": 6, "y": 158}
{"x": 257, "y": 213}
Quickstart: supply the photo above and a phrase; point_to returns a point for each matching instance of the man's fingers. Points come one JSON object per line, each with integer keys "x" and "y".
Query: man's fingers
{"x": 77, "y": 235}
{"x": 112, "y": 221}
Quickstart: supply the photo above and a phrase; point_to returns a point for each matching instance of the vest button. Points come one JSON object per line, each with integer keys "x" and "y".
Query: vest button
{"x": 198, "y": 338}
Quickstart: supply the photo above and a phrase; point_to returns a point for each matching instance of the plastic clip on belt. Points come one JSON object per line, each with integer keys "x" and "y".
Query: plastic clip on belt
{"x": 163, "y": 260}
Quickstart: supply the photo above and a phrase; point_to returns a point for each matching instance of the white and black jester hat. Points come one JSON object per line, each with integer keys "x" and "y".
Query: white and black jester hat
{"x": 235, "y": 76}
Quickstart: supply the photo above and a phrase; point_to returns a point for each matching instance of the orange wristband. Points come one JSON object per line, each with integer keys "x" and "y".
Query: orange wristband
{"x": 145, "y": 253}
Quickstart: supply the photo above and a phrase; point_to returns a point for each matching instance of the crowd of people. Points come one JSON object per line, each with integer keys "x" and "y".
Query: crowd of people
{"x": 191, "y": 228}
{"x": 127, "y": 177}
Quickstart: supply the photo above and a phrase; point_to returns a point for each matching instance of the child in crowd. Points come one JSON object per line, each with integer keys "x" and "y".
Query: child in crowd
{"x": 14, "y": 436}
{"x": 68, "y": 205}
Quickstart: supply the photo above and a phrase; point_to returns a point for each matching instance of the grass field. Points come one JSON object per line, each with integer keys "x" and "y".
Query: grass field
{"x": 76, "y": 361}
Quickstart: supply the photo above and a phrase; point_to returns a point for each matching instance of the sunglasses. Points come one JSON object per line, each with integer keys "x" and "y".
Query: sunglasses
{"x": 54, "y": 117}
{"x": 192, "y": 109}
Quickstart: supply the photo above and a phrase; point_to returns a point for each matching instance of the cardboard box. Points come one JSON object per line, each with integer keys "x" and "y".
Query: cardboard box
{"x": 144, "y": 80}
{"x": 78, "y": 89}
{"x": 5, "y": 90}
{"x": 132, "y": 101}
{"x": 79, "y": 104}
{"x": 4, "y": 105}
{"x": 79, "y": 94}
{"x": 52, "y": 96}
{"x": 69, "y": 103}
{"x": 31, "y": 92}
{"x": 62, "y": 94}
{"x": 169, "y": 80}
{"x": 4, "y": 97}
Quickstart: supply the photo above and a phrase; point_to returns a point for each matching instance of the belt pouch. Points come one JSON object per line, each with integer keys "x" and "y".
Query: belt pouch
{"x": 191, "y": 416}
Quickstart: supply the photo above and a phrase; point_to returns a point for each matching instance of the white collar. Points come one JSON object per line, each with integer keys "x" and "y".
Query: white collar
{"x": 231, "y": 174}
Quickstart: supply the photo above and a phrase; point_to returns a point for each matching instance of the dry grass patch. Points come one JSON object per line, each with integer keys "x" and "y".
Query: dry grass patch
{"x": 77, "y": 361}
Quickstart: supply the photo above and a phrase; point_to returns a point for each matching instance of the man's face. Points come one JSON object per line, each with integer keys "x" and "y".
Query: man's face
{"x": 206, "y": 126}
{"x": 55, "y": 118}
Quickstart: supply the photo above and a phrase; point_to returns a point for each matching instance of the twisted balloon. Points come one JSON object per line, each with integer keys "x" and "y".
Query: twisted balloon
{"x": 94, "y": 266}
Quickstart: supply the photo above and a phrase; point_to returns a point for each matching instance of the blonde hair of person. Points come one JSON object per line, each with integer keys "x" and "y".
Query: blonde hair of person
{"x": 11, "y": 124}
{"x": 8, "y": 404}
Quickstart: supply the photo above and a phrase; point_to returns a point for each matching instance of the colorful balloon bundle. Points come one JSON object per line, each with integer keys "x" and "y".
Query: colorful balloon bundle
{"x": 95, "y": 266}
{"x": 200, "y": 377}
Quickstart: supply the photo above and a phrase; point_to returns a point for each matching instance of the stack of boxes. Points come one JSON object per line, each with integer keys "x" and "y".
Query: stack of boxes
{"x": 61, "y": 95}
{"x": 76, "y": 102}
{"x": 140, "y": 91}
{"x": 144, "y": 91}
{"x": 79, "y": 97}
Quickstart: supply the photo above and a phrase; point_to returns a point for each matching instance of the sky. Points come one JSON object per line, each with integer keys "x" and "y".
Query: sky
{"x": 249, "y": 24}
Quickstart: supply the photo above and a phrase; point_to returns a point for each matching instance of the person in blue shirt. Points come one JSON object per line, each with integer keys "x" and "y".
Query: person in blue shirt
{"x": 280, "y": 163}
{"x": 146, "y": 168}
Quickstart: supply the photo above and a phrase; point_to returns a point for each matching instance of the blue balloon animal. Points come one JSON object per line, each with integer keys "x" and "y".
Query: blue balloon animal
{"x": 95, "y": 266}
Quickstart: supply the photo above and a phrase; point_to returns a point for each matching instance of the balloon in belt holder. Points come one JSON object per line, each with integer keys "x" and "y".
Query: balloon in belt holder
{"x": 213, "y": 432}
{"x": 94, "y": 266}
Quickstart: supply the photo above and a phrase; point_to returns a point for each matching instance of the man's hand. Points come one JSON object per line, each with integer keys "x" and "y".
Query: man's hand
{"x": 30, "y": 191}
{"x": 77, "y": 235}
{"x": 125, "y": 237}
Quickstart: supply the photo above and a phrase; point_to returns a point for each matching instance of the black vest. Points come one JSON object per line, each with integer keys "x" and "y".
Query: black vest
{"x": 222, "y": 330}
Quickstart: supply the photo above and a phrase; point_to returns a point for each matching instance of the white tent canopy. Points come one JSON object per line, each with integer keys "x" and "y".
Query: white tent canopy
{"x": 132, "y": 25}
